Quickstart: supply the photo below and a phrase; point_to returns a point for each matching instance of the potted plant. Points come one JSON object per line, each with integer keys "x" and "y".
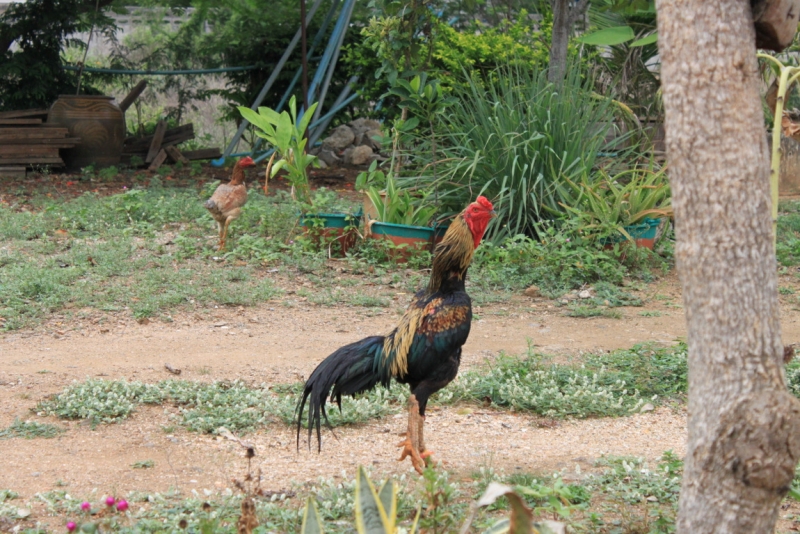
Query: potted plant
{"x": 286, "y": 133}
{"x": 401, "y": 218}
{"x": 627, "y": 206}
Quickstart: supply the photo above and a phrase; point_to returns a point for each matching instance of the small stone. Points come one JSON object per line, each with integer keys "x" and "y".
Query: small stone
{"x": 347, "y": 153}
{"x": 647, "y": 408}
{"x": 360, "y": 155}
{"x": 327, "y": 156}
{"x": 339, "y": 138}
{"x": 585, "y": 294}
{"x": 652, "y": 498}
{"x": 22, "y": 513}
{"x": 373, "y": 138}
{"x": 532, "y": 291}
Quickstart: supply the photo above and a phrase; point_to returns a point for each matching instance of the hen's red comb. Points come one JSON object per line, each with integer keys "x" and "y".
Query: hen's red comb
{"x": 484, "y": 202}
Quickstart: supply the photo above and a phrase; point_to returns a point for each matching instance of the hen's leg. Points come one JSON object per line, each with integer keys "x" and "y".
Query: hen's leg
{"x": 220, "y": 240}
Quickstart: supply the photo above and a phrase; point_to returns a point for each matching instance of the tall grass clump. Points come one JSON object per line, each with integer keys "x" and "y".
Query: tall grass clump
{"x": 514, "y": 137}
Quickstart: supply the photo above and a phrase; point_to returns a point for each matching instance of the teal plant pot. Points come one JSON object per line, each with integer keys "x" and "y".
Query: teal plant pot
{"x": 644, "y": 234}
{"x": 338, "y": 231}
{"x": 407, "y": 238}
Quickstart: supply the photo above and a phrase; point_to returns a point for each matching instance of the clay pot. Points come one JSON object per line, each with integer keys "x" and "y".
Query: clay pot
{"x": 99, "y": 123}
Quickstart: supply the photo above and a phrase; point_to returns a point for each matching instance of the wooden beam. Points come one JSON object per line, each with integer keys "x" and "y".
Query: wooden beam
{"x": 30, "y": 160}
{"x": 133, "y": 95}
{"x": 12, "y": 172}
{"x": 25, "y": 113}
{"x": 203, "y": 153}
{"x": 155, "y": 144}
{"x": 31, "y": 133}
{"x": 175, "y": 155}
{"x": 61, "y": 142}
{"x": 160, "y": 158}
{"x": 14, "y": 122}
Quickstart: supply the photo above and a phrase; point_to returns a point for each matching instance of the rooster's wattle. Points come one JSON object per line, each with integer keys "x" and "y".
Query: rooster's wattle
{"x": 423, "y": 351}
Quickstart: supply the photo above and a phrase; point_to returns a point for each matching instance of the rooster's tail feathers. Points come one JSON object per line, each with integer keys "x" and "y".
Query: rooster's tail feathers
{"x": 350, "y": 370}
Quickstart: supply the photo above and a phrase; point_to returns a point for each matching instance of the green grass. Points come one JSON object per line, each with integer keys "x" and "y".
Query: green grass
{"x": 626, "y": 495}
{"x": 30, "y": 430}
{"x": 207, "y": 407}
{"x": 614, "y": 384}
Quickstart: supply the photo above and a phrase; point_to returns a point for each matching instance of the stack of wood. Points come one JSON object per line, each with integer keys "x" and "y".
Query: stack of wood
{"x": 154, "y": 149}
{"x": 26, "y": 140}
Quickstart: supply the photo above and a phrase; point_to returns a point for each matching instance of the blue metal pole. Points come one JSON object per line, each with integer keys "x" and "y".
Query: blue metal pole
{"x": 332, "y": 67}
{"x": 289, "y": 49}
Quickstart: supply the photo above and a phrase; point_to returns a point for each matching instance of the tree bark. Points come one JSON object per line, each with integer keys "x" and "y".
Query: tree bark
{"x": 744, "y": 426}
{"x": 563, "y": 19}
{"x": 560, "y": 41}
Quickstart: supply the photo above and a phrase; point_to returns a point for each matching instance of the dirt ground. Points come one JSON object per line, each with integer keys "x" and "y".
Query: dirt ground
{"x": 275, "y": 344}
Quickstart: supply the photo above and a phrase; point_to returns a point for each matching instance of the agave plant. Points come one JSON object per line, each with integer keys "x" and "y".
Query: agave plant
{"x": 607, "y": 204}
{"x": 376, "y": 510}
{"x": 514, "y": 137}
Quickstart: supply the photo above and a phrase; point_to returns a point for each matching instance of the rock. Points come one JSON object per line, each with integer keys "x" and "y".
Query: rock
{"x": 647, "y": 408}
{"x": 341, "y": 137}
{"x": 532, "y": 291}
{"x": 364, "y": 125}
{"x": 369, "y": 139}
{"x": 585, "y": 294}
{"x": 347, "y": 153}
{"x": 328, "y": 157}
{"x": 322, "y": 164}
{"x": 361, "y": 155}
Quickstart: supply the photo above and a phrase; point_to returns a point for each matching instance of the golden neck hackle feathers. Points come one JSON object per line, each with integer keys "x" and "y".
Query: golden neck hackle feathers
{"x": 453, "y": 253}
{"x": 237, "y": 176}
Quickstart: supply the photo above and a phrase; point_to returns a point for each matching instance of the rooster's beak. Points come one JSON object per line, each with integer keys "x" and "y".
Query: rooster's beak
{"x": 492, "y": 214}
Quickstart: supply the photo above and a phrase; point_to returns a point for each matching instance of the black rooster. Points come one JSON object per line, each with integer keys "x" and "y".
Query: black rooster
{"x": 424, "y": 351}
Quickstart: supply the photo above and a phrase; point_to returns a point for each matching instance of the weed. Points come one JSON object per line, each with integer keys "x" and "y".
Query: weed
{"x": 143, "y": 464}
{"x": 30, "y": 430}
{"x": 108, "y": 174}
{"x": 441, "y": 511}
{"x": 784, "y": 290}
{"x": 582, "y": 310}
{"x": 650, "y": 314}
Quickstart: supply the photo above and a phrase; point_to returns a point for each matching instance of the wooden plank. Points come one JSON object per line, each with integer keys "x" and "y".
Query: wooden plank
{"x": 175, "y": 155}
{"x": 144, "y": 142}
{"x": 203, "y": 153}
{"x": 32, "y": 133}
{"x": 20, "y": 150}
{"x": 23, "y": 113}
{"x": 160, "y": 158}
{"x": 61, "y": 142}
{"x": 133, "y": 95}
{"x": 12, "y": 122}
{"x": 155, "y": 144}
{"x": 30, "y": 160}
{"x": 12, "y": 172}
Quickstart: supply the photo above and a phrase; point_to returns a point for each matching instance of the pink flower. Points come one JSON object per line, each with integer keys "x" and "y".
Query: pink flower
{"x": 110, "y": 501}
{"x": 122, "y": 505}
{"x": 71, "y": 526}
{"x": 85, "y": 506}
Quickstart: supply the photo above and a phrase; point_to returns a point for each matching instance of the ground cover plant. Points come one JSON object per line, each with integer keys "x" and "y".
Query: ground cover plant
{"x": 147, "y": 252}
{"x": 622, "y": 494}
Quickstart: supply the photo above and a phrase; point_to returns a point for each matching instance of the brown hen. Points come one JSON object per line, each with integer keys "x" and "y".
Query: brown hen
{"x": 226, "y": 203}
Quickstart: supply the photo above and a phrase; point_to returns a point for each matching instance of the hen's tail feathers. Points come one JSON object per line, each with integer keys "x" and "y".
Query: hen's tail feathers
{"x": 350, "y": 370}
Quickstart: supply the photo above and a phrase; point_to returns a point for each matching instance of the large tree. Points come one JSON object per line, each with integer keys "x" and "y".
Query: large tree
{"x": 744, "y": 426}
{"x": 565, "y": 14}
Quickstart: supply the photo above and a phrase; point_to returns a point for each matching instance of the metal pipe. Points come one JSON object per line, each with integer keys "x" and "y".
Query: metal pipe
{"x": 321, "y": 128}
{"x": 326, "y": 57}
{"x": 332, "y": 67}
{"x": 289, "y": 49}
{"x": 304, "y": 52}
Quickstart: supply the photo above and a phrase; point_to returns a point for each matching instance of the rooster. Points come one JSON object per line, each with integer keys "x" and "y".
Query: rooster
{"x": 226, "y": 203}
{"x": 423, "y": 351}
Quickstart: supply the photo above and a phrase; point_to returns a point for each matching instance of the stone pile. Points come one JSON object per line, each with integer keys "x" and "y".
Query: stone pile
{"x": 351, "y": 144}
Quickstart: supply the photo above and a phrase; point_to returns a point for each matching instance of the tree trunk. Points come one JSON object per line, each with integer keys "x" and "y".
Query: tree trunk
{"x": 558, "y": 46}
{"x": 744, "y": 426}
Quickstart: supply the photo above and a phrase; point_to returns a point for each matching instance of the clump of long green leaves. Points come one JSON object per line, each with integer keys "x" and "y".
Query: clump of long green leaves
{"x": 514, "y": 138}
{"x": 605, "y": 204}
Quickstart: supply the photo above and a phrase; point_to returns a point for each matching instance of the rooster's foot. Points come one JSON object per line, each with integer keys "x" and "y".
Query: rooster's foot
{"x": 419, "y": 459}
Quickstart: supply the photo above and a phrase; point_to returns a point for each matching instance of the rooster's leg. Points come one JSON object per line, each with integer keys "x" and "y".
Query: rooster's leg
{"x": 413, "y": 445}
